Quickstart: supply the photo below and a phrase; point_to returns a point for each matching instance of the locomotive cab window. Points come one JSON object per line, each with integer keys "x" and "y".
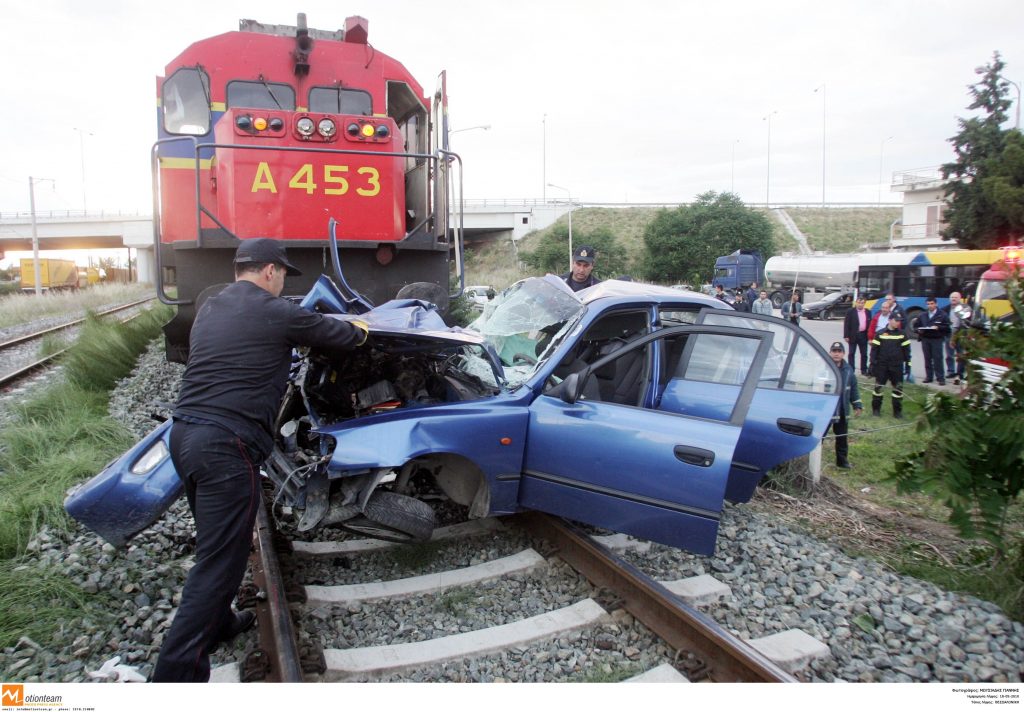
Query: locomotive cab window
{"x": 335, "y": 100}
{"x": 185, "y": 99}
{"x": 261, "y": 95}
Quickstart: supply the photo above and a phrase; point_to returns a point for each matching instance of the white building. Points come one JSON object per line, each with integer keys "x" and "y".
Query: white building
{"x": 924, "y": 203}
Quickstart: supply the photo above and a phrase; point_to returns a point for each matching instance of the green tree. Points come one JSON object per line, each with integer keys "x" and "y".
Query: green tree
{"x": 974, "y": 218}
{"x": 681, "y": 245}
{"x": 1004, "y": 184}
{"x": 552, "y": 252}
{"x": 974, "y": 458}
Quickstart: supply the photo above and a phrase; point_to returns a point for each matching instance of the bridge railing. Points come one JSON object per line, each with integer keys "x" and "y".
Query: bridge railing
{"x": 26, "y": 216}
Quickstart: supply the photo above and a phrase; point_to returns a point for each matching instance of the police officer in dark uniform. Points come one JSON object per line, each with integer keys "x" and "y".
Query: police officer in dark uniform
{"x": 581, "y": 275}
{"x": 890, "y": 355}
{"x": 849, "y": 393}
{"x": 241, "y": 344}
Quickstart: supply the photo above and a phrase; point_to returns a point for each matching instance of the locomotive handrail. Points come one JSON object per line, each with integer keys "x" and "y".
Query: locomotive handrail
{"x": 157, "y": 242}
{"x": 458, "y": 231}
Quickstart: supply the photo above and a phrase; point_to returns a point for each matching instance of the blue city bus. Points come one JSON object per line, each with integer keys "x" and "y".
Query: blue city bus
{"x": 913, "y": 276}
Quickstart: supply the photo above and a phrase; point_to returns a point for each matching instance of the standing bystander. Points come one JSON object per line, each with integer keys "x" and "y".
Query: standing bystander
{"x": 932, "y": 327}
{"x": 762, "y": 305}
{"x": 890, "y": 356}
{"x": 849, "y": 393}
{"x": 855, "y": 333}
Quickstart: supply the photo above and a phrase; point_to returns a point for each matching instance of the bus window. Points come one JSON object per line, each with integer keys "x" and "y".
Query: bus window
{"x": 335, "y": 100}
{"x": 261, "y": 95}
{"x": 185, "y": 100}
{"x": 874, "y": 282}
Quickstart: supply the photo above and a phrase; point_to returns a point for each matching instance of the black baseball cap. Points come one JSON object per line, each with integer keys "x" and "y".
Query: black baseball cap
{"x": 584, "y": 253}
{"x": 262, "y": 250}
{"x": 837, "y": 346}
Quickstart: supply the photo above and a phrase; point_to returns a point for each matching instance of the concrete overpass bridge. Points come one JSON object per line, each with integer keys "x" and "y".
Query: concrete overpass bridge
{"x": 70, "y": 230}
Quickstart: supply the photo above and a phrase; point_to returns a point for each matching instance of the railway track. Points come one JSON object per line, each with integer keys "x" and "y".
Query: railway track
{"x": 19, "y": 357}
{"x": 330, "y": 640}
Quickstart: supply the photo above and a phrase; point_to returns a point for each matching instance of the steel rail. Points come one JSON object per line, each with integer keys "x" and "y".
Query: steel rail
{"x": 728, "y": 659}
{"x": 15, "y": 376}
{"x": 37, "y": 334}
{"x": 277, "y": 633}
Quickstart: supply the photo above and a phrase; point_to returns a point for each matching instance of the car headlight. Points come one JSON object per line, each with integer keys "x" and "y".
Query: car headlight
{"x": 156, "y": 454}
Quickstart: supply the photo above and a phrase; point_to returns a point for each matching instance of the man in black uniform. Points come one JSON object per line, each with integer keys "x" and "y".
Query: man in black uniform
{"x": 581, "y": 275}
{"x": 241, "y": 344}
{"x": 890, "y": 354}
{"x": 849, "y": 393}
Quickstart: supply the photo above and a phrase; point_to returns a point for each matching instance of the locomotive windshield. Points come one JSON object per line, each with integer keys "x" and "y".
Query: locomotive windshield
{"x": 261, "y": 95}
{"x": 186, "y": 102}
{"x": 335, "y": 100}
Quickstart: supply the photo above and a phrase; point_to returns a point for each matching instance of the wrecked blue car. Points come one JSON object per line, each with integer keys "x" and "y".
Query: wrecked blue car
{"x": 631, "y": 407}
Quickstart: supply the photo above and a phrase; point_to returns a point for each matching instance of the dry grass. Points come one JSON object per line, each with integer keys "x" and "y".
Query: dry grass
{"x": 21, "y": 308}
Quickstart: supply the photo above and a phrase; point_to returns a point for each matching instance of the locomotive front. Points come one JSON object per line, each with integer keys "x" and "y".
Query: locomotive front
{"x": 271, "y": 131}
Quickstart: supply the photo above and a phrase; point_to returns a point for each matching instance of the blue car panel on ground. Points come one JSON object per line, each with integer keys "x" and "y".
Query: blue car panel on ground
{"x": 118, "y": 504}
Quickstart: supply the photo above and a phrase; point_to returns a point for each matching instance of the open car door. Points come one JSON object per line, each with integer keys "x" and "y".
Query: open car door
{"x": 793, "y": 403}
{"x": 631, "y": 468}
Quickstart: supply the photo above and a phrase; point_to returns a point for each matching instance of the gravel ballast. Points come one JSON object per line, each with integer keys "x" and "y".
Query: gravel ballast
{"x": 879, "y": 626}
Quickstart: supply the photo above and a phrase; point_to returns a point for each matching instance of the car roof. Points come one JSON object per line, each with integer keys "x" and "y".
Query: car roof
{"x": 617, "y": 289}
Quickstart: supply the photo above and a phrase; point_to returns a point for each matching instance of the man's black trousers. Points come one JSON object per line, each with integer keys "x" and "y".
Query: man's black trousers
{"x": 933, "y": 350}
{"x": 221, "y": 480}
{"x": 860, "y": 341}
{"x": 840, "y": 429}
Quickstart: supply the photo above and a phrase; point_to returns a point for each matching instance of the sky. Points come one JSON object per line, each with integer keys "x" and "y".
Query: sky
{"x": 640, "y": 102}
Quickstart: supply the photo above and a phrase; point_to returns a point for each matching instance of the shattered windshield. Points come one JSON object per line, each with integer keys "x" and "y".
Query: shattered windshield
{"x": 526, "y": 321}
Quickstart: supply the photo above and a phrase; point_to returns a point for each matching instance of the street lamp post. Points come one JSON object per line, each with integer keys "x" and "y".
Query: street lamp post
{"x": 732, "y": 181}
{"x": 544, "y": 159}
{"x": 1016, "y": 121}
{"x": 482, "y": 127}
{"x": 81, "y": 149}
{"x": 822, "y": 87}
{"x": 881, "y": 154}
{"x": 552, "y": 185}
{"x": 768, "y": 177}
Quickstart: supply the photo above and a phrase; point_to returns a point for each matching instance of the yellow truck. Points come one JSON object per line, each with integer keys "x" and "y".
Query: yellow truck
{"x": 53, "y": 274}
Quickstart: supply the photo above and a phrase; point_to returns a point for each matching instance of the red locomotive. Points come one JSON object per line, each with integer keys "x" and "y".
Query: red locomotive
{"x": 271, "y": 131}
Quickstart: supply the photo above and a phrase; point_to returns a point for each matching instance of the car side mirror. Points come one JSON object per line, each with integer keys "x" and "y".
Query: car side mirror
{"x": 572, "y": 387}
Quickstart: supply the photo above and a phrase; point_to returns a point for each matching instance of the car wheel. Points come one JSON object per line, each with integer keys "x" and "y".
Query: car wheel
{"x": 825, "y": 315}
{"x": 393, "y": 517}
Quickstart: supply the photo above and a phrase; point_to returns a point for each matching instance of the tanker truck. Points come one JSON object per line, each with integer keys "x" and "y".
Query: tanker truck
{"x": 809, "y": 273}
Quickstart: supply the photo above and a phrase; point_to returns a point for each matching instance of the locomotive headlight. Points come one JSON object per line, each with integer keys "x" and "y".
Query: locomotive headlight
{"x": 244, "y": 122}
{"x": 260, "y": 123}
{"x": 326, "y": 128}
{"x": 352, "y": 129}
{"x": 367, "y": 131}
{"x": 305, "y": 126}
{"x": 383, "y": 131}
{"x": 276, "y": 124}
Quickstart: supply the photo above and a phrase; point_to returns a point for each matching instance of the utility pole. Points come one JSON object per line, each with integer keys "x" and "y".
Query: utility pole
{"x": 81, "y": 149}
{"x": 35, "y": 236}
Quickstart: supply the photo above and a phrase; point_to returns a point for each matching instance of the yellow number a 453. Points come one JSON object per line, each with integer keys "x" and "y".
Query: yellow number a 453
{"x": 303, "y": 178}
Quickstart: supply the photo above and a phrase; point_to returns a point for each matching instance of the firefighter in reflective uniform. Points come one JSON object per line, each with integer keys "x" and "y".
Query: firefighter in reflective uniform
{"x": 890, "y": 355}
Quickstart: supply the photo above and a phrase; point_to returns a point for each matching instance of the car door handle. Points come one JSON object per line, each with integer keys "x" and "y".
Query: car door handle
{"x": 794, "y": 427}
{"x": 695, "y": 455}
